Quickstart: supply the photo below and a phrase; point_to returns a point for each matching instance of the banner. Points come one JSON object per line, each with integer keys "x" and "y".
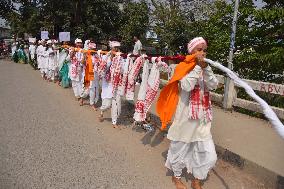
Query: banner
{"x": 44, "y": 35}
{"x": 64, "y": 36}
{"x": 32, "y": 40}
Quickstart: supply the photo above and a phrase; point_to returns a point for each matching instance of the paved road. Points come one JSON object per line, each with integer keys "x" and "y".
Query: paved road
{"x": 48, "y": 141}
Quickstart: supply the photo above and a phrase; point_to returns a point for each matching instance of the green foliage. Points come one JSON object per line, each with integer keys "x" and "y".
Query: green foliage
{"x": 83, "y": 18}
{"x": 171, "y": 25}
{"x": 135, "y": 19}
{"x": 6, "y": 8}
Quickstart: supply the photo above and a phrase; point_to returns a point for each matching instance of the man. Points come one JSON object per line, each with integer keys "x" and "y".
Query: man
{"x": 137, "y": 47}
{"x": 76, "y": 69}
{"x": 187, "y": 94}
{"x": 110, "y": 96}
{"x": 39, "y": 53}
{"x": 91, "y": 79}
{"x": 94, "y": 84}
{"x": 14, "y": 46}
{"x": 51, "y": 61}
{"x": 32, "y": 49}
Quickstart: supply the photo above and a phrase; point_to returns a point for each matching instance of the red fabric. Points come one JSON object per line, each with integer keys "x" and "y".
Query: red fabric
{"x": 200, "y": 104}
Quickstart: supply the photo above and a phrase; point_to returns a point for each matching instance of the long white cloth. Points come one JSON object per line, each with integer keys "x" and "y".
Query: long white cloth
{"x": 268, "y": 112}
{"x": 148, "y": 89}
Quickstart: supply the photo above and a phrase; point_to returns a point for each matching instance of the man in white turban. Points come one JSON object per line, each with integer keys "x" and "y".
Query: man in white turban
{"x": 111, "y": 98}
{"x": 191, "y": 145}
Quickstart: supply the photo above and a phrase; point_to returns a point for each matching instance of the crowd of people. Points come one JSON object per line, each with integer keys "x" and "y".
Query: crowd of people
{"x": 110, "y": 75}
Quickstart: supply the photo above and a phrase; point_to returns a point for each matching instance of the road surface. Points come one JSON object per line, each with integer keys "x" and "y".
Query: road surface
{"x": 48, "y": 141}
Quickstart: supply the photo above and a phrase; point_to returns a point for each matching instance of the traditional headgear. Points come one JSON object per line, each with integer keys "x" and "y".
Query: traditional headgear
{"x": 78, "y": 40}
{"x": 114, "y": 44}
{"x": 194, "y": 42}
{"x": 49, "y": 41}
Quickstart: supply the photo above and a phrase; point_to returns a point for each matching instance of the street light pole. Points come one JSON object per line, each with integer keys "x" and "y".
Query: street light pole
{"x": 229, "y": 84}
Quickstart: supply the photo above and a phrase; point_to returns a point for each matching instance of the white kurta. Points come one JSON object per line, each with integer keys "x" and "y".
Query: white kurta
{"x": 78, "y": 79}
{"x": 183, "y": 128}
{"x": 51, "y": 63}
{"x": 108, "y": 98}
{"x": 39, "y": 51}
{"x": 44, "y": 63}
{"x": 14, "y": 48}
{"x": 106, "y": 86}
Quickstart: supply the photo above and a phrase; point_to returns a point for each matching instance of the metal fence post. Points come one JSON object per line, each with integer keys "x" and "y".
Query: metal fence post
{"x": 229, "y": 84}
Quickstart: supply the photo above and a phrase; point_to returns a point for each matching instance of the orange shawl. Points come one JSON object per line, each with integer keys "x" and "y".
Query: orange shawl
{"x": 169, "y": 95}
{"x": 89, "y": 71}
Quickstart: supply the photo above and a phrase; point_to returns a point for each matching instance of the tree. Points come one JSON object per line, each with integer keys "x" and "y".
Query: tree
{"x": 83, "y": 18}
{"x": 6, "y": 8}
{"x": 135, "y": 22}
{"x": 170, "y": 24}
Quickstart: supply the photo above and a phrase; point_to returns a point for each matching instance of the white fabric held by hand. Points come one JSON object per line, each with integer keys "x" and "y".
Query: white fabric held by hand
{"x": 268, "y": 112}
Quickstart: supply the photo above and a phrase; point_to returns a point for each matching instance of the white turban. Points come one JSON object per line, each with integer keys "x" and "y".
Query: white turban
{"x": 49, "y": 41}
{"x": 114, "y": 44}
{"x": 78, "y": 40}
{"x": 194, "y": 42}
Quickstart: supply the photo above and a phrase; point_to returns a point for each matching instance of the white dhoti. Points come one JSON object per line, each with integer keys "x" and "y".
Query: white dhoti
{"x": 51, "y": 74}
{"x": 44, "y": 68}
{"x": 115, "y": 108}
{"x": 110, "y": 101}
{"x": 77, "y": 81}
{"x": 198, "y": 157}
{"x": 50, "y": 67}
{"x": 40, "y": 65}
{"x": 77, "y": 88}
{"x": 84, "y": 92}
{"x": 94, "y": 90}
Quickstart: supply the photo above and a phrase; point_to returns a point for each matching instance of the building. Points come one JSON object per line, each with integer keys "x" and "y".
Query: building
{"x": 5, "y": 30}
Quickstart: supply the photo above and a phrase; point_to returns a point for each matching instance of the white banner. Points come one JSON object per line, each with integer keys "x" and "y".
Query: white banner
{"x": 32, "y": 40}
{"x": 44, "y": 35}
{"x": 64, "y": 36}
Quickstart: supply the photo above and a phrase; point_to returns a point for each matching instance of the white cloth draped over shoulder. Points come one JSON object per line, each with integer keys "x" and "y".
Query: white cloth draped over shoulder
{"x": 148, "y": 88}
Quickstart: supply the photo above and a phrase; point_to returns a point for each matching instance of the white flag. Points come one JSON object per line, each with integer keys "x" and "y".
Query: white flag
{"x": 64, "y": 36}
{"x": 44, "y": 35}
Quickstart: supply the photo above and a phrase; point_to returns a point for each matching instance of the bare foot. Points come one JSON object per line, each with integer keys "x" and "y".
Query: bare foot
{"x": 81, "y": 102}
{"x": 101, "y": 118}
{"x": 178, "y": 183}
{"x": 94, "y": 107}
{"x": 115, "y": 126}
{"x": 195, "y": 184}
